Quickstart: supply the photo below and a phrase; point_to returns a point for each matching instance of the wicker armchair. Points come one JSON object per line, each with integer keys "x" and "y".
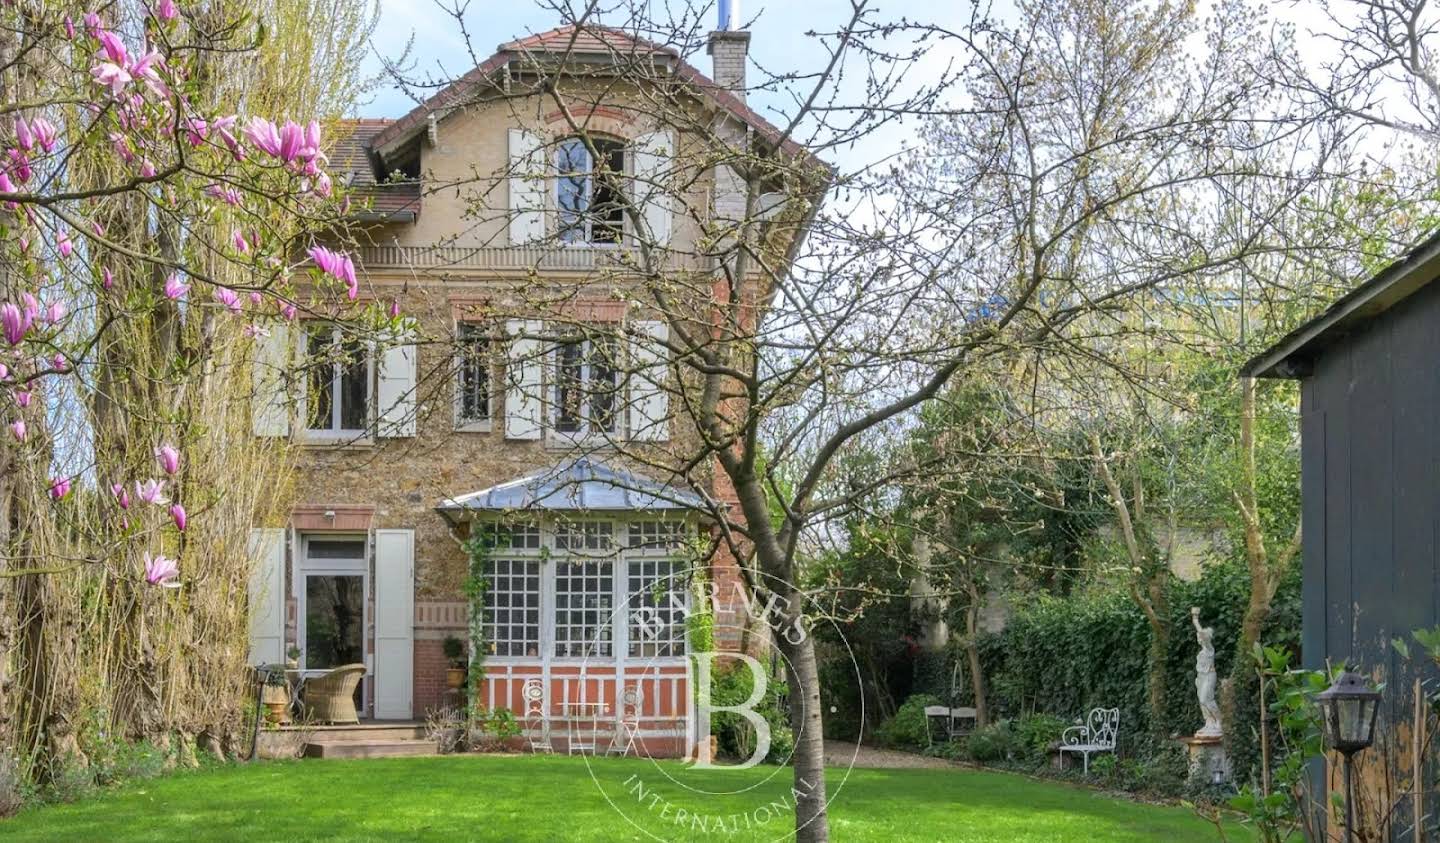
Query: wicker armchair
{"x": 331, "y": 698}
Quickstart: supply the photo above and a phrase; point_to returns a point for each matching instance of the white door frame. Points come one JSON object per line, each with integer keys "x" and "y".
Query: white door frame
{"x": 304, "y": 567}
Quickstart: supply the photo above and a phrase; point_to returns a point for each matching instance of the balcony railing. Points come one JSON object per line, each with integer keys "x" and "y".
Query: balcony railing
{"x": 552, "y": 258}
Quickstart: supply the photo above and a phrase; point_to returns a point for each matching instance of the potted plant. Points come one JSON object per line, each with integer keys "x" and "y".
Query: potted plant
{"x": 276, "y": 697}
{"x": 455, "y": 652}
{"x": 292, "y": 657}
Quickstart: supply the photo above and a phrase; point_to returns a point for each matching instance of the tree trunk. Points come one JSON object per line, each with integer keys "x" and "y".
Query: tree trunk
{"x": 811, "y": 825}
{"x": 972, "y": 655}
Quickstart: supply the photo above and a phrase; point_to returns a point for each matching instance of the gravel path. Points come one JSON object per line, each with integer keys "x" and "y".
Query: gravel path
{"x": 839, "y": 753}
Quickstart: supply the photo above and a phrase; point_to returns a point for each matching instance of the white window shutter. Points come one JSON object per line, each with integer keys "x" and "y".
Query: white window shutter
{"x": 270, "y": 407}
{"x": 527, "y": 187}
{"x": 267, "y": 595}
{"x": 649, "y": 387}
{"x": 523, "y": 376}
{"x": 654, "y": 156}
{"x": 394, "y": 624}
{"x": 395, "y": 390}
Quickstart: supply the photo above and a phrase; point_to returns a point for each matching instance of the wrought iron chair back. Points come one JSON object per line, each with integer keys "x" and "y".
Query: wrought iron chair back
{"x": 628, "y": 732}
{"x": 1103, "y": 724}
{"x": 537, "y": 724}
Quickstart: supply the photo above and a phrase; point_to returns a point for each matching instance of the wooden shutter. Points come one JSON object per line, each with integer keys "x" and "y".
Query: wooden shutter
{"x": 267, "y": 595}
{"x": 394, "y": 624}
{"x": 524, "y": 371}
{"x": 527, "y": 187}
{"x": 270, "y": 405}
{"x": 649, "y": 385}
{"x": 654, "y": 155}
{"x": 395, "y": 390}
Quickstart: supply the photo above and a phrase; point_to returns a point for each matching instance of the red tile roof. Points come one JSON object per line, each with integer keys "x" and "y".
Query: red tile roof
{"x": 351, "y": 163}
{"x": 589, "y": 40}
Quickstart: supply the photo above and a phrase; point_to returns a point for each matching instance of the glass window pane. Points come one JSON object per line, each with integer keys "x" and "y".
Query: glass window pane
{"x": 354, "y": 386}
{"x": 335, "y": 548}
{"x": 568, "y": 380}
{"x": 474, "y": 373}
{"x": 334, "y": 620}
{"x": 321, "y": 376}
{"x": 572, "y": 189}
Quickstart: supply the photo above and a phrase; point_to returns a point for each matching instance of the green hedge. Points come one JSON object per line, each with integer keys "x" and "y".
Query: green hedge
{"x": 1064, "y": 656}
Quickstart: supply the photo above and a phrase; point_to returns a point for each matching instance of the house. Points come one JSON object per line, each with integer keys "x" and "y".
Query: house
{"x": 473, "y": 206}
{"x": 1370, "y": 409}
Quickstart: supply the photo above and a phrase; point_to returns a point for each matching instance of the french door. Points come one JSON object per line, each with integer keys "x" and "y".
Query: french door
{"x": 332, "y": 583}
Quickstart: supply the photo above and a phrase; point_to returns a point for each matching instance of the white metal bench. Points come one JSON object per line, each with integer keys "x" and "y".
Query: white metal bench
{"x": 1096, "y": 734}
{"x": 949, "y": 720}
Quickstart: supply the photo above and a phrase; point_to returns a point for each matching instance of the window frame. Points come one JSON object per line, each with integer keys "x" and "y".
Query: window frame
{"x": 526, "y": 552}
{"x": 335, "y": 433}
{"x": 585, "y": 216}
{"x": 494, "y": 397}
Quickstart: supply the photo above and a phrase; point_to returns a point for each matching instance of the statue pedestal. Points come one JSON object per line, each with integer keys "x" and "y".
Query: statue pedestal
{"x": 1208, "y": 762}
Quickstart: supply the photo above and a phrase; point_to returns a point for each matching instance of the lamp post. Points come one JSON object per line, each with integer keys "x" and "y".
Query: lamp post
{"x": 1348, "y": 709}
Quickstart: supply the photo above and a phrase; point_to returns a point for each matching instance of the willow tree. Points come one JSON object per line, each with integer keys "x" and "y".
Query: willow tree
{"x": 159, "y": 200}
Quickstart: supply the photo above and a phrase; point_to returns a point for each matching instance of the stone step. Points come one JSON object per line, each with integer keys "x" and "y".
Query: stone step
{"x": 398, "y": 732}
{"x": 368, "y": 748}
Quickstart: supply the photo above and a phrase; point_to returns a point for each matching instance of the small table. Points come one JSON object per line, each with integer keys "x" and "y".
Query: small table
{"x": 574, "y": 713}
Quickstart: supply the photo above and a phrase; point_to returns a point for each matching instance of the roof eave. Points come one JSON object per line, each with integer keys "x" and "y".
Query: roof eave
{"x": 1293, "y": 356}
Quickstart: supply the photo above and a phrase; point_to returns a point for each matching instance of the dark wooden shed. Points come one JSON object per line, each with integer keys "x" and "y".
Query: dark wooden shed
{"x": 1369, "y": 372}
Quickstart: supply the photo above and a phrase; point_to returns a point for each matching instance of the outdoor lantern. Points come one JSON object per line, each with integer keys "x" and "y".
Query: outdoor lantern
{"x": 1348, "y": 708}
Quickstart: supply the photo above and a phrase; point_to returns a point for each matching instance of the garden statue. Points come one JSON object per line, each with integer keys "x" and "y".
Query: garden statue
{"x": 1205, "y": 677}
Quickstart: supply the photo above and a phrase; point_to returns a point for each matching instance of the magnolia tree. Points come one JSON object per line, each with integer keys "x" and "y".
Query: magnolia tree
{"x": 162, "y": 194}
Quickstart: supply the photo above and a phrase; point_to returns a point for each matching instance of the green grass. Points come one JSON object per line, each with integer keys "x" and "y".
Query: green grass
{"x": 530, "y": 798}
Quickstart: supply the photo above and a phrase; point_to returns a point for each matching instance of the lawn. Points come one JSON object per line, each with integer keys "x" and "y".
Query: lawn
{"x": 528, "y": 798}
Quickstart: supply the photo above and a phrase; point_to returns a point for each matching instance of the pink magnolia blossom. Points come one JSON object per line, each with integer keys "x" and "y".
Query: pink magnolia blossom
{"x": 113, "y": 47}
{"x": 22, "y": 399}
{"x": 122, "y": 496}
{"x": 32, "y": 308}
{"x": 165, "y": 10}
{"x": 13, "y": 322}
{"x": 55, "y": 312}
{"x": 292, "y": 138}
{"x": 227, "y": 297}
{"x": 112, "y": 76}
{"x": 253, "y": 330}
{"x": 196, "y": 130}
{"x": 223, "y": 126}
{"x": 92, "y": 23}
{"x": 147, "y": 69}
{"x": 147, "y": 169}
{"x": 4, "y": 372}
{"x": 228, "y": 195}
{"x": 69, "y": 29}
{"x": 161, "y": 570}
{"x": 20, "y": 165}
{"x": 122, "y": 147}
{"x": 255, "y": 297}
{"x": 59, "y": 488}
{"x": 24, "y": 138}
{"x": 323, "y": 186}
{"x": 62, "y": 242}
{"x": 263, "y": 134}
{"x": 174, "y": 288}
{"x": 394, "y": 310}
{"x": 337, "y": 265}
{"x": 178, "y": 513}
{"x": 59, "y": 364}
{"x": 241, "y": 244}
{"x": 168, "y": 458}
{"x": 45, "y": 133}
{"x": 17, "y": 429}
{"x": 151, "y": 491}
{"x": 287, "y": 311}
{"x": 107, "y": 278}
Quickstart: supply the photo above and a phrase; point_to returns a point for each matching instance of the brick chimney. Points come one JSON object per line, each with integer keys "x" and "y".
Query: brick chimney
{"x": 728, "y": 49}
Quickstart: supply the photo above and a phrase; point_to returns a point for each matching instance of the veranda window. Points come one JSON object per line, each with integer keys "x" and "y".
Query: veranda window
{"x": 512, "y": 607}
{"x": 587, "y": 384}
{"x": 590, "y": 209}
{"x": 657, "y": 593}
{"x": 337, "y": 394}
{"x": 584, "y": 602}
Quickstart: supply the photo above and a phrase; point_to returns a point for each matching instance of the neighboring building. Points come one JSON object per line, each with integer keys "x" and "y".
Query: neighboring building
{"x": 1370, "y": 469}
{"x": 406, "y": 455}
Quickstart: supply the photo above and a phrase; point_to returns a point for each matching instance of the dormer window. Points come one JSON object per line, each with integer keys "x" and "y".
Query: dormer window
{"x": 586, "y": 196}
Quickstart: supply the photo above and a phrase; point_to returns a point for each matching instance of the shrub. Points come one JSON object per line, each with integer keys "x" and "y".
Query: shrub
{"x": 907, "y": 729}
{"x": 1036, "y": 733}
{"x": 734, "y": 734}
{"x": 996, "y": 742}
